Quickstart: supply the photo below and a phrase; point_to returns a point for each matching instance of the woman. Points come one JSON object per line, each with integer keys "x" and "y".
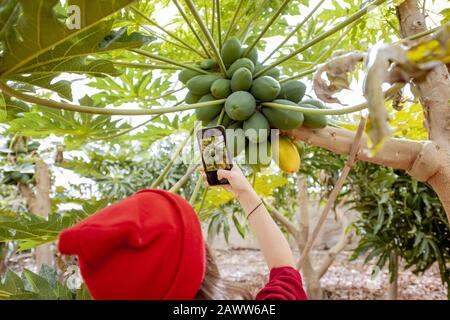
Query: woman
{"x": 150, "y": 246}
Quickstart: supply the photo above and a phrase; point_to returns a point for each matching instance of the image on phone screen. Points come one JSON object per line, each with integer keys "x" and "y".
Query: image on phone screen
{"x": 214, "y": 153}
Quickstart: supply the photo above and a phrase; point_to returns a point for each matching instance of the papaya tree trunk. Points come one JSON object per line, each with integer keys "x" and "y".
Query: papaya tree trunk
{"x": 434, "y": 96}
{"x": 39, "y": 203}
{"x": 312, "y": 281}
{"x": 392, "y": 292}
{"x": 3, "y": 252}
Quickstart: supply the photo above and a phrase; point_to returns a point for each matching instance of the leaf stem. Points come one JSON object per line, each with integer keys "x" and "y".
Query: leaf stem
{"x": 258, "y": 12}
{"x": 323, "y": 36}
{"x": 154, "y": 33}
{"x": 233, "y": 20}
{"x": 121, "y": 133}
{"x": 167, "y": 60}
{"x": 169, "y": 33}
{"x": 299, "y": 75}
{"x": 202, "y": 203}
{"x": 94, "y": 110}
{"x": 188, "y": 22}
{"x": 196, "y": 190}
{"x": 219, "y": 24}
{"x": 175, "y": 156}
{"x": 145, "y": 65}
{"x": 267, "y": 26}
{"x": 358, "y": 107}
{"x": 207, "y": 34}
{"x": 286, "y": 39}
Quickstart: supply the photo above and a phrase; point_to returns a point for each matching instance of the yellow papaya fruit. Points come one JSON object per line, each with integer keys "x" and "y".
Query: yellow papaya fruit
{"x": 288, "y": 156}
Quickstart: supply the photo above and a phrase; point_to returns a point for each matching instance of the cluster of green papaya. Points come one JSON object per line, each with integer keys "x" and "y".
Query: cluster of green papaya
{"x": 244, "y": 94}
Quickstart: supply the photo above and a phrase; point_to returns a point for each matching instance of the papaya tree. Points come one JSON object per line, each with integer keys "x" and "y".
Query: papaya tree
{"x": 213, "y": 62}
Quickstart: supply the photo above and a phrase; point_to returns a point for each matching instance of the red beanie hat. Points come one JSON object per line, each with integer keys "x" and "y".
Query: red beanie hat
{"x": 148, "y": 246}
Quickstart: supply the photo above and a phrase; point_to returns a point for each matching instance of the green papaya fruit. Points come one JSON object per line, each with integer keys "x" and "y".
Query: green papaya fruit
{"x": 319, "y": 104}
{"x": 292, "y": 90}
{"x": 256, "y": 128}
{"x": 258, "y": 155}
{"x": 191, "y": 98}
{"x": 240, "y": 105}
{"x": 265, "y": 88}
{"x": 258, "y": 67}
{"x": 242, "y": 80}
{"x": 235, "y": 138}
{"x": 221, "y": 88}
{"x": 208, "y": 64}
{"x": 208, "y": 113}
{"x": 252, "y": 55}
{"x": 283, "y": 119}
{"x": 274, "y": 73}
{"x": 231, "y": 51}
{"x": 313, "y": 120}
{"x": 200, "y": 85}
{"x": 240, "y": 63}
{"x": 187, "y": 74}
{"x": 226, "y": 121}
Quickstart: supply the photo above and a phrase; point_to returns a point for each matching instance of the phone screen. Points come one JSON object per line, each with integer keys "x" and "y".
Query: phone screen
{"x": 214, "y": 152}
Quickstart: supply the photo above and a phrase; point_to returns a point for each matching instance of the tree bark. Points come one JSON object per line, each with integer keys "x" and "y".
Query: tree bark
{"x": 434, "y": 96}
{"x": 39, "y": 203}
{"x": 3, "y": 252}
{"x": 312, "y": 281}
{"x": 393, "y": 286}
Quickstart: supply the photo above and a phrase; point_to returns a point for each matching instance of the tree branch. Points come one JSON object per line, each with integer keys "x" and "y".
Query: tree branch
{"x": 290, "y": 227}
{"x": 395, "y": 153}
{"x": 344, "y": 240}
{"x": 184, "y": 179}
{"x": 337, "y": 188}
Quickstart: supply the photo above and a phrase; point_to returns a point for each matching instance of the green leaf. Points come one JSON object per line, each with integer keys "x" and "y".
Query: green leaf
{"x": 83, "y": 293}
{"x": 77, "y": 128}
{"x": 62, "y": 87}
{"x": 238, "y": 226}
{"x": 40, "y": 285}
{"x": 13, "y": 108}
{"x": 12, "y": 283}
{"x": 36, "y": 31}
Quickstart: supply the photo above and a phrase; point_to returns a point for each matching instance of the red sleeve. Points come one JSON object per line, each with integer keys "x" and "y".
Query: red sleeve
{"x": 285, "y": 283}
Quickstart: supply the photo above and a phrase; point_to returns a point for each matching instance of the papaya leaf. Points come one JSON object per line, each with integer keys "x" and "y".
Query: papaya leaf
{"x": 436, "y": 48}
{"x": 62, "y": 87}
{"x": 33, "y": 29}
{"x": 336, "y": 71}
{"x": 77, "y": 128}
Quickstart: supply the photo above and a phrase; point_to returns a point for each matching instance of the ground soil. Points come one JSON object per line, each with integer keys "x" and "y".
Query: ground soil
{"x": 349, "y": 280}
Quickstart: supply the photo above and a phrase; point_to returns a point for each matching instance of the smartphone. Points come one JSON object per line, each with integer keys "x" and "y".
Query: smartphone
{"x": 215, "y": 155}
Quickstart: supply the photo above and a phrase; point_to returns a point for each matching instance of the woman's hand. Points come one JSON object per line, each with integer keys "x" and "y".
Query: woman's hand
{"x": 238, "y": 183}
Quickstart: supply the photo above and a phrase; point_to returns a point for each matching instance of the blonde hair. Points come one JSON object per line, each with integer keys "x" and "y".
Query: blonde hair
{"x": 214, "y": 287}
